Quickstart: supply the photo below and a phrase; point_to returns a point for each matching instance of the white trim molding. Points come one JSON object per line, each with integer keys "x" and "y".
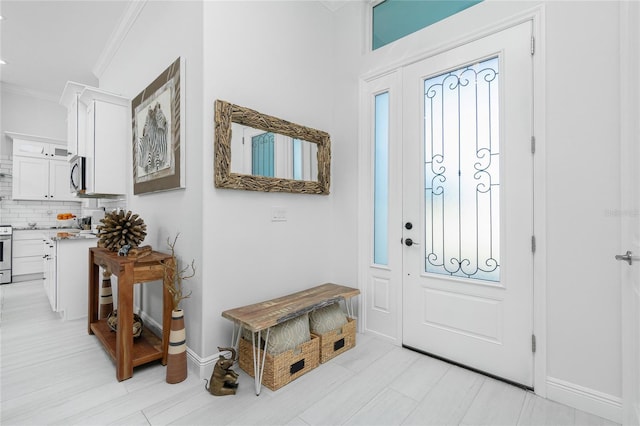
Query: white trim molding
{"x": 118, "y": 35}
{"x": 585, "y": 399}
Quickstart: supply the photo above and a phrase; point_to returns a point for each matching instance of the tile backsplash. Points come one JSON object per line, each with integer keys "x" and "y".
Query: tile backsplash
{"x": 20, "y": 213}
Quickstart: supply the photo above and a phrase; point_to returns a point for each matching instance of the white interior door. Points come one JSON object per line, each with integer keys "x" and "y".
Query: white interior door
{"x": 630, "y": 210}
{"x": 468, "y": 205}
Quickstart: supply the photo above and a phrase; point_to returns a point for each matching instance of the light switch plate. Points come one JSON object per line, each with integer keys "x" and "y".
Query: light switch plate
{"x": 278, "y": 214}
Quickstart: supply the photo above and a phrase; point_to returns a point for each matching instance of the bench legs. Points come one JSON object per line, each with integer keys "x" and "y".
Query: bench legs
{"x": 258, "y": 364}
{"x": 348, "y": 303}
{"x": 235, "y": 339}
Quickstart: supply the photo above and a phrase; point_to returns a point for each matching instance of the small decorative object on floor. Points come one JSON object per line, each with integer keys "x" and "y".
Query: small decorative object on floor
{"x": 120, "y": 229}
{"x": 223, "y": 379}
{"x": 112, "y": 322}
{"x": 177, "y": 356}
{"x": 177, "y": 352}
{"x": 106, "y": 297}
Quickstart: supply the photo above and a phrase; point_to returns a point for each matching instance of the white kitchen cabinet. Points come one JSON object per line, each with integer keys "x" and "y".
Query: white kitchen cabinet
{"x": 39, "y": 179}
{"x": 30, "y": 178}
{"x": 106, "y": 174}
{"x": 76, "y": 112}
{"x": 27, "y": 254}
{"x": 98, "y": 127}
{"x": 27, "y": 148}
{"x": 38, "y": 147}
{"x": 49, "y": 268}
{"x": 40, "y": 169}
{"x": 66, "y": 275}
{"x": 59, "y": 181}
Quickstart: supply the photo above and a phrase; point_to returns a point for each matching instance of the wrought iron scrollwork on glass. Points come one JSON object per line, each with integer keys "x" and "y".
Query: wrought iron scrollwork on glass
{"x": 462, "y": 172}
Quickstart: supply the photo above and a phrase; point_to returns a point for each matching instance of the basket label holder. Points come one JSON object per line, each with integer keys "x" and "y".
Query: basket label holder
{"x": 296, "y": 366}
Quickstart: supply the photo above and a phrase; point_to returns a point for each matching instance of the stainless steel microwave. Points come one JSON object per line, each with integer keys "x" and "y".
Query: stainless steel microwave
{"x": 78, "y": 175}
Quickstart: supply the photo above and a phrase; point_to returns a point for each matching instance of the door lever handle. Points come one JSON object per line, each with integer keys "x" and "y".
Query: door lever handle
{"x": 627, "y": 257}
{"x": 409, "y": 242}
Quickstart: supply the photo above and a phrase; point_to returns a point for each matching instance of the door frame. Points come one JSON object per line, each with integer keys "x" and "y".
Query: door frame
{"x": 365, "y": 201}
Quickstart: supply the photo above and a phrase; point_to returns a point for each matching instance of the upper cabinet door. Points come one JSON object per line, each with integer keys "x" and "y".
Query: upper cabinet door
{"x": 59, "y": 188}
{"x": 58, "y": 152}
{"x": 30, "y": 179}
{"x": 27, "y": 148}
{"x": 40, "y": 148}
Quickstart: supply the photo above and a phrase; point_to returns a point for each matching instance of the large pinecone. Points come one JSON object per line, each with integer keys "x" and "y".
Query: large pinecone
{"x": 119, "y": 229}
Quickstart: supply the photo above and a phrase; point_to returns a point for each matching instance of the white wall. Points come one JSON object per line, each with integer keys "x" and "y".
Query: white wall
{"x": 274, "y": 57}
{"x": 163, "y": 32}
{"x": 348, "y": 49}
{"x": 280, "y": 66}
{"x": 23, "y": 112}
{"x": 583, "y": 282}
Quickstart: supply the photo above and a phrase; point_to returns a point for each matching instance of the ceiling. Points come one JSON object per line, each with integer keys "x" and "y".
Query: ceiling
{"x": 47, "y": 43}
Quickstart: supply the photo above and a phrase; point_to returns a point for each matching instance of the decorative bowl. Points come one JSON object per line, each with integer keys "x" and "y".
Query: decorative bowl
{"x": 112, "y": 322}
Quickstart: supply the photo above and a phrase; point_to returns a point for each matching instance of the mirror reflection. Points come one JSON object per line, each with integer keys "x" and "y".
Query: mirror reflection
{"x": 258, "y": 152}
{"x": 269, "y": 154}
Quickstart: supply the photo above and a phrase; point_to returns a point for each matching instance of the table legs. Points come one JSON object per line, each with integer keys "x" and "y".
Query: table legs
{"x": 124, "y": 336}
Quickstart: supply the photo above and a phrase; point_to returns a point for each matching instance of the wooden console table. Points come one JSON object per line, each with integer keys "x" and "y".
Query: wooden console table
{"x": 120, "y": 345}
{"x": 264, "y": 315}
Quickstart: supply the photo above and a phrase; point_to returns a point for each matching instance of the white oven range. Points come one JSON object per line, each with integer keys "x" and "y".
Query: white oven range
{"x": 6, "y": 232}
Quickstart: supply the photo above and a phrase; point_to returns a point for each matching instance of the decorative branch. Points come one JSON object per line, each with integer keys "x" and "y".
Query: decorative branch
{"x": 176, "y": 277}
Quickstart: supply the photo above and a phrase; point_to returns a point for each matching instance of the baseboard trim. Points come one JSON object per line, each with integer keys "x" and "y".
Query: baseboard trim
{"x": 585, "y": 399}
{"x": 201, "y": 367}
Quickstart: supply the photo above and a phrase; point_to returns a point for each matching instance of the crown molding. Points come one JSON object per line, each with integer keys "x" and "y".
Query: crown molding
{"x": 25, "y": 91}
{"x": 333, "y": 5}
{"x": 118, "y": 35}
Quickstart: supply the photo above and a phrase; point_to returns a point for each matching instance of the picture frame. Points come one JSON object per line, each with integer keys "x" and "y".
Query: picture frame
{"x": 158, "y": 140}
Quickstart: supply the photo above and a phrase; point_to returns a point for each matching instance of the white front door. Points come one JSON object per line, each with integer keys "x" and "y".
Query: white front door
{"x": 468, "y": 205}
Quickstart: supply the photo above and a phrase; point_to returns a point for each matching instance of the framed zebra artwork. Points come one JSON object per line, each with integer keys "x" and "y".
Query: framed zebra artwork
{"x": 158, "y": 136}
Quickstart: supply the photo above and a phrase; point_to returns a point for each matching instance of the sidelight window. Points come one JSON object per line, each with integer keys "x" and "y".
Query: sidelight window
{"x": 381, "y": 180}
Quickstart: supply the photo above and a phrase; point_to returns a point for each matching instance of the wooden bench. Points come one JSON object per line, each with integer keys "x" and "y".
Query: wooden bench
{"x": 264, "y": 315}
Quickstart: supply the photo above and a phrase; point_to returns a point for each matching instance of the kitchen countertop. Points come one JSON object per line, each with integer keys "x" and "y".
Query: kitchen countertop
{"x": 42, "y": 228}
{"x": 75, "y": 236}
{"x": 54, "y": 233}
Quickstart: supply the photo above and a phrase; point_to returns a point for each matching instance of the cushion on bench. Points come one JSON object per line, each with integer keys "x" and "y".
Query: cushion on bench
{"x": 326, "y": 319}
{"x": 288, "y": 335}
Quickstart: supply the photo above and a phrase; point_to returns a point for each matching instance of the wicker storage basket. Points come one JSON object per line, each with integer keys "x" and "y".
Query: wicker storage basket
{"x": 282, "y": 368}
{"x": 335, "y": 342}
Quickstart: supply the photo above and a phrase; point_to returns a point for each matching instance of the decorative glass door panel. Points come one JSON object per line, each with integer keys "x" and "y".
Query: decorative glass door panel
{"x": 462, "y": 172}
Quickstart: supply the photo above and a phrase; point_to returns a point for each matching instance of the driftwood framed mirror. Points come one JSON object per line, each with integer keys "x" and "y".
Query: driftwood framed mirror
{"x": 259, "y": 152}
